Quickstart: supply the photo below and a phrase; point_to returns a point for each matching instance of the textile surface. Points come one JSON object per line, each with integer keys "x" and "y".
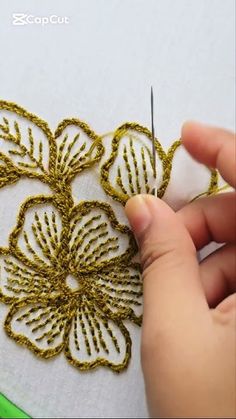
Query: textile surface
{"x": 99, "y": 67}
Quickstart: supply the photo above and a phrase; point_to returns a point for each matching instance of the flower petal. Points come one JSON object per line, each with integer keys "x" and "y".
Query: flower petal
{"x": 97, "y": 239}
{"x": 38, "y": 231}
{"x": 40, "y": 325}
{"x": 188, "y": 178}
{"x": 129, "y": 170}
{"x": 96, "y": 340}
{"x": 120, "y": 288}
{"x": 78, "y": 147}
{"x": 18, "y": 281}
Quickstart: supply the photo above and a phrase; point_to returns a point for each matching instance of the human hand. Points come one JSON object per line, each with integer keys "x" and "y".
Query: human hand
{"x": 189, "y": 322}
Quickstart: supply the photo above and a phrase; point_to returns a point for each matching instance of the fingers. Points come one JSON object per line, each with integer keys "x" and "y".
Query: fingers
{"x": 211, "y": 219}
{"x": 173, "y": 295}
{"x": 218, "y": 274}
{"x": 228, "y": 307}
{"x": 214, "y": 147}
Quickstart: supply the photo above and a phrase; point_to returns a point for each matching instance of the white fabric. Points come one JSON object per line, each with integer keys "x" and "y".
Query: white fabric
{"x": 99, "y": 68}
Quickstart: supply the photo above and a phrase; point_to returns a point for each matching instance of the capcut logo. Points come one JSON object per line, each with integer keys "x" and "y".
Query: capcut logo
{"x": 22, "y": 19}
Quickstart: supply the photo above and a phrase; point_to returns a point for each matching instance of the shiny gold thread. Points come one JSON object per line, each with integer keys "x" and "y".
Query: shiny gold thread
{"x": 47, "y": 314}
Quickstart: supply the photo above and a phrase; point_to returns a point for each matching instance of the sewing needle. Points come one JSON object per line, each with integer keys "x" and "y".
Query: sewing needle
{"x": 153, "y": 141}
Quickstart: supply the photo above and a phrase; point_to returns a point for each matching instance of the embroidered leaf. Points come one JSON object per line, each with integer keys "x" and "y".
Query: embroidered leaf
{"x": 8, "y": 172}
{"x": 130, "y": 168}
{"x": 25, "y": 140}
{"x": 78, "y": 148}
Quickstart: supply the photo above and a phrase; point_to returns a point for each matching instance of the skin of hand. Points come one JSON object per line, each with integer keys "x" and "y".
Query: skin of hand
{"x": 188, "y": 347}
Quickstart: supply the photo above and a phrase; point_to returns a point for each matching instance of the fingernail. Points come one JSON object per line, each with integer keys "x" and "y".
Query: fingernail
{"x": 138, "y": 213}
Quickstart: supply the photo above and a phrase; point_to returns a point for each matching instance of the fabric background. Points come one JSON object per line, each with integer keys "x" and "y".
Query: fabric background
{"x": 99, "y": 67}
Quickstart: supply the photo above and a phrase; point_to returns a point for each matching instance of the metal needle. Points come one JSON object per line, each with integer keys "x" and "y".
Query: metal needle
{"x": 153, "y": 138}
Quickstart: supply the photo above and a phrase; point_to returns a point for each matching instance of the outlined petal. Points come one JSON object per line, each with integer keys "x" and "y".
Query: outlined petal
{"x": 97, "y": 239}
{"x": 97, "y": 340}
{"x": 121, "y": 290}
{"x": 78, "y": 148}
{"x": 26, "y": 140}
{"x": 130, "y": 168}
{"x": 18, "y": 281}
{"x": 36, "y": 237}
{"x": 41, "y": 325}
{"x": 188, "y": 178}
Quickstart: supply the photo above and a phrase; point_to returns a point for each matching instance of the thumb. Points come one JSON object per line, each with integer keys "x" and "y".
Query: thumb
{"x": 173, "y": 295}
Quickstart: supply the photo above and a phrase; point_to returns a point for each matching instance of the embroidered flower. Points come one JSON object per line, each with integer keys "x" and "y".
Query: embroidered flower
{"x": 71, "y": 284}
{"x": 129, "y": 169}
{"x": 68, "y": 274}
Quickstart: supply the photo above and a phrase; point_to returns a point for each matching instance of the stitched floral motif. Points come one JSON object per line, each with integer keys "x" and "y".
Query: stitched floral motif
{"x": 135, "y": 174}
{"x": 68, "y": 273}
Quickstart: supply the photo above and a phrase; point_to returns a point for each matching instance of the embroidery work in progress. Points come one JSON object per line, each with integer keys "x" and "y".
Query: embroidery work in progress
{"x": 69, "y": 274}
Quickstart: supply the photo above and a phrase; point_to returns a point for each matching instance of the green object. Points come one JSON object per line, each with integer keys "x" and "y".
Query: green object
{"x": 10, "y": 410}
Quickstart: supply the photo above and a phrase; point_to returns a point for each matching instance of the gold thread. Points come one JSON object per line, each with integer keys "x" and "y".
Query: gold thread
{"x": 34, "y": 281}
{"x": 125, "y": 129}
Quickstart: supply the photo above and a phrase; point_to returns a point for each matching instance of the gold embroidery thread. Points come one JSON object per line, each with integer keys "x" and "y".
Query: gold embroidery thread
{"x": 68, "y": 274}
{"x": 117, "y": 190}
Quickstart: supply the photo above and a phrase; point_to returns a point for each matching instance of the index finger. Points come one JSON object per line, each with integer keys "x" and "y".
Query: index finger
{"x": 214, "y": 147}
